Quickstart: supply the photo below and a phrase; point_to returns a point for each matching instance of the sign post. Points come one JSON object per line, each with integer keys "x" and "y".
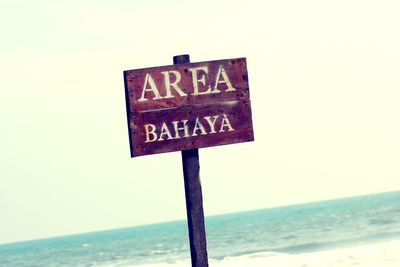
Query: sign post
{"x": 194, "y": 199}
{"x": 184, "y": 107}
{"x": 188, "y": 105}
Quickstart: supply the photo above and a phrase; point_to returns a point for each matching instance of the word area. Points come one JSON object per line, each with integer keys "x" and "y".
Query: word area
{"x": 200, "y": 84}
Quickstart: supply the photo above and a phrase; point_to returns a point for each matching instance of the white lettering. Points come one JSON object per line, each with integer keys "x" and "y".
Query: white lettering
{"x": 222, "y": 72}
{"x": 164, "y": 131}
{"x": 196, "y": 80}
{"x": 225, "y": 123}
{"x": 211, "y": 122}
{"x": 202, "y": 84}
{"x": 184, "y": 128}
{"x": 198, "y": 126}
{"x": 150, "y": 132}
{"x": 153, "y": 88}
{"x": 174, "y": 85}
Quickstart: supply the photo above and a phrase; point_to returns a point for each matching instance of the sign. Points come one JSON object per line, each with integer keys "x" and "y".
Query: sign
{"x": 186, "y": 106}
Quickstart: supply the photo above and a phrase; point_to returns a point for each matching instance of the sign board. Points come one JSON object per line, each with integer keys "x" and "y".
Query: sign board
{"x": 186, "y": 106}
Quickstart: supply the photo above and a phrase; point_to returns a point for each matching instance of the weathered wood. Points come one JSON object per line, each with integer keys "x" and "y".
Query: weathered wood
{"x": 207, "y": 125}
{"x": 194, "y": 208}
{"x": 194, "y": 199}
{"x": 185, "y": 93}
{"x": 136, "y": 80}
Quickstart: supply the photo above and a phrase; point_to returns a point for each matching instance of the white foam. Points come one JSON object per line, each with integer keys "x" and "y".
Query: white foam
{"x": 381, "y": 254}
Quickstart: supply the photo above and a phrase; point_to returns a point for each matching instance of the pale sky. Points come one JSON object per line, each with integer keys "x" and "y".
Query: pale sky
{"x": 324, "y": 83}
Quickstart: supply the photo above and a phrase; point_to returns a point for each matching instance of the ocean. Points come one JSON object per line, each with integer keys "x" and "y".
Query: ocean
{"x": 362, "y": 231}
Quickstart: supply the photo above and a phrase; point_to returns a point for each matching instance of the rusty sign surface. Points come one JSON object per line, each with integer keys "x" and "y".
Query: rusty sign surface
{"x": 186, "y": 106}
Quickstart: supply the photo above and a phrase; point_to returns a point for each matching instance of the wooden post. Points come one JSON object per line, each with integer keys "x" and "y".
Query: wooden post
{"x": 194, "y": 198}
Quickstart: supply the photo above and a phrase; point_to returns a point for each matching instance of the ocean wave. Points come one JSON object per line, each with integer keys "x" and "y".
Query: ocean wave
{"x": 382, "y": 221}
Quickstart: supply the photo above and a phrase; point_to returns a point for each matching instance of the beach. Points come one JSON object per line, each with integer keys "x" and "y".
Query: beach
{"x": 358, "y": 231}
{"x": 384, "y": 254}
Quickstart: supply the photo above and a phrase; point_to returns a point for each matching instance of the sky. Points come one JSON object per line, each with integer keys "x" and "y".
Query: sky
{"x": 324, "y": 85}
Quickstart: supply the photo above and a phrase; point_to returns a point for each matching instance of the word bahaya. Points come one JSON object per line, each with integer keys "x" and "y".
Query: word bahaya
{"x": 203, "y": 126}
{"x": 173, "y": 77}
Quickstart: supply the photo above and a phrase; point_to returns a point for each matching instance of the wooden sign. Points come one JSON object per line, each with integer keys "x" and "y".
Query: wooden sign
{"x": 186, "y": 106}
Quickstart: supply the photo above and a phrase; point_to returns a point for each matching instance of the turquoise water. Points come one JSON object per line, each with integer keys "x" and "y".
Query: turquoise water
{"x": 292, "y": 229}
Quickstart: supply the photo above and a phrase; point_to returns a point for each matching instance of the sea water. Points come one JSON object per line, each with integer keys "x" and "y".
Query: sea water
{"x": 363, "y": 231}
